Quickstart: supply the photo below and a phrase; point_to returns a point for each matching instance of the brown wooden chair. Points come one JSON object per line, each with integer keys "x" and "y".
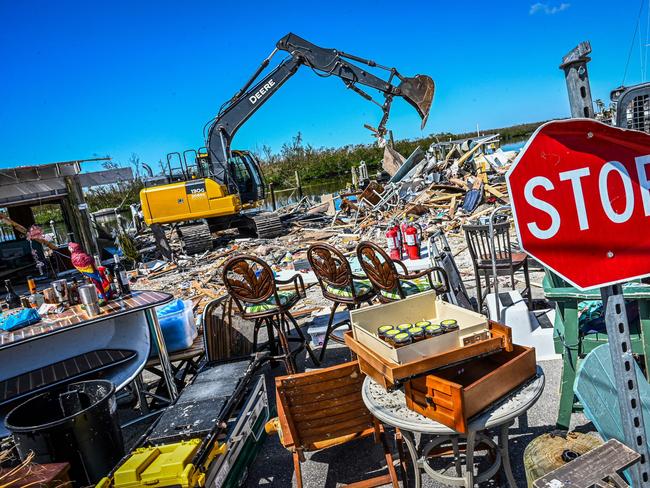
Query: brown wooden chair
{"x": 324, "y": 408}
{"x": 338, "y": 284}
{"x": 254, "y": 289}
{"x": 508, "y": 262}
{"x": 390, "y": 284}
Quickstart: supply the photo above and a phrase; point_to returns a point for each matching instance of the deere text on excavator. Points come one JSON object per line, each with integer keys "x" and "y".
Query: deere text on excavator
{"x": 216, "y": 188}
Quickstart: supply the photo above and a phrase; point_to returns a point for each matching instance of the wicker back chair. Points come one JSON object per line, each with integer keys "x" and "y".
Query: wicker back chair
{"x": 392, "y": 285}
{"x": 253, "y": 288}
{"x": 338, "y": 284}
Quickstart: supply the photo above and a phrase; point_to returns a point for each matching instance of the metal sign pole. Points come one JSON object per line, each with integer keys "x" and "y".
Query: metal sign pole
{"x": 620, "y": 348}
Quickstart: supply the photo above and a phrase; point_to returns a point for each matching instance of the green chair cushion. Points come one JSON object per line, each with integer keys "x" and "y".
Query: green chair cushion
{"x": 270, "y": 303}
{"x": 361, "y": 287}
{"x": 410, "y": 287}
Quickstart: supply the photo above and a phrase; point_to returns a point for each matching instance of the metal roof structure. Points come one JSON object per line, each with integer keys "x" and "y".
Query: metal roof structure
{"x": 23, "y": 185}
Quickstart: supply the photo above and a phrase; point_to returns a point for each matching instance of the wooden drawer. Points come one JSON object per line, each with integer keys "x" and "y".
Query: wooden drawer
{"x": 390, "y": 374}
{"x": 453, "y": 395}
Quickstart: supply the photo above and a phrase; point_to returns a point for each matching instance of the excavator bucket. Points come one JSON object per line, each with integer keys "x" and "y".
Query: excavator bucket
{"x": 418, "y": 91}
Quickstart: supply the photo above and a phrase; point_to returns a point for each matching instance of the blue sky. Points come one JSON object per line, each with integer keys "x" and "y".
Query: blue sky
{"x": 80, "y": 79}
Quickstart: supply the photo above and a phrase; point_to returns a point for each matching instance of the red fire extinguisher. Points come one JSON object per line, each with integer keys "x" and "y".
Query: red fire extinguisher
{"x": 402, "y": 228}
{"x": 393, "y": 240}
{"x": 413, "y": 237}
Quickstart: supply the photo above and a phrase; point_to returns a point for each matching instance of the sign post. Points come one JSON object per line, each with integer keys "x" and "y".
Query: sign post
{"x": 580, "y": 192}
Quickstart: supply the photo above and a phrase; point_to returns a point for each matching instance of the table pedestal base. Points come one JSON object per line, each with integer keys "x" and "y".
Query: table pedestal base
{"x": 420, "y": 454}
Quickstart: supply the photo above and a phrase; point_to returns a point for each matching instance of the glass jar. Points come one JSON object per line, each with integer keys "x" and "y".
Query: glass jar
{"x": 402, "y": 339}
{"x": 432, "y": 330}
{"x": 390, "y": 336}
{"x": 381, "y": 332}
{"x": 416, "y": 333}
{"x": 448, "y": 325}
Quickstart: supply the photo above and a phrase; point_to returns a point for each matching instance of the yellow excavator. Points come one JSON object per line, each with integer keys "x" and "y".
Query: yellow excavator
{"x": 216, "y": 188}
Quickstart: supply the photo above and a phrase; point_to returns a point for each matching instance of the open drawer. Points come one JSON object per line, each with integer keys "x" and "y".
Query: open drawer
{"x": 453, "y": 395}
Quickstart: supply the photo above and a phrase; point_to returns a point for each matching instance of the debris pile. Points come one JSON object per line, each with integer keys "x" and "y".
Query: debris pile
{"x": 443, "y": 187}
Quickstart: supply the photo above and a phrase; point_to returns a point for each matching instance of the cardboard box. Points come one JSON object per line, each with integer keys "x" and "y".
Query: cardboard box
{"x": 472, "y": 327}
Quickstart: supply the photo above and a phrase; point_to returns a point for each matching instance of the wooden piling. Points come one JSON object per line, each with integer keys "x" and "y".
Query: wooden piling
{"x": 272, "y": 192}
{"x": 298, "y": 186}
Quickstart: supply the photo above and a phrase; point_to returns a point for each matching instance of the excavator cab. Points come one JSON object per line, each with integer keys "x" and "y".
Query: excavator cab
{"x": 243, "y": 166}
{"x": 245, "y": 170}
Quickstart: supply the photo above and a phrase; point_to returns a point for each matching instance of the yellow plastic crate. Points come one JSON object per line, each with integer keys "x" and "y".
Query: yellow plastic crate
{"x": 160, "y": 466}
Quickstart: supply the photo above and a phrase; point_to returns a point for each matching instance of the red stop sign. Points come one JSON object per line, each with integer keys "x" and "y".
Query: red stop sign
{"x": 580, "y": 192}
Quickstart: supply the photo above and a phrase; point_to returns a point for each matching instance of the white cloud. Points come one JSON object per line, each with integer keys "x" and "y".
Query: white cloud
{"x": 547, "y": 9}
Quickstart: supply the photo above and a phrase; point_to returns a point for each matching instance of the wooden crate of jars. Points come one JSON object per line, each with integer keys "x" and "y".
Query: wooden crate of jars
{"x": 463, "y": 335}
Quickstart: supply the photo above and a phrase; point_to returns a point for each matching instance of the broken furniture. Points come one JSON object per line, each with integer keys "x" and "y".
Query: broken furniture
{"x": 455, "y": 394}
{"x": 339, "y": 285}
{"x": 254, "y": 289}
{"x": 481, "y": 249}
{"x": 595, "y": 387}
{"x": 71, "y": 346}
{"x": 184, "y": 363}
{"x": 550, "y": 451}
{"x": 599, "y": 467}
{"x": 574, "y": 344}
{"x": 392, "y": 285}
{"x": 440, "y": 255}
{"x": 390, "y": 409}
{"x": 322, "y": 409}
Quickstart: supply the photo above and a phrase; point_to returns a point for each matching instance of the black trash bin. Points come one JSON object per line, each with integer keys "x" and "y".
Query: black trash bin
{"x": 76, "y": 424}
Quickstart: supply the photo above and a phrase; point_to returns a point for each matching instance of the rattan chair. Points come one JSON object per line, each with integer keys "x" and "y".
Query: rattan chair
{"x": 338, "y": 284}
{"x": 253, "y": 288}
{"x": 322, "y": 409}
{"x": 392, "y": 285}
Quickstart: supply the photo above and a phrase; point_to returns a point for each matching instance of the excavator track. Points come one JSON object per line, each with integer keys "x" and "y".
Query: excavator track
{"x": 196, "y": 238}
{"x": 267, "y": 225}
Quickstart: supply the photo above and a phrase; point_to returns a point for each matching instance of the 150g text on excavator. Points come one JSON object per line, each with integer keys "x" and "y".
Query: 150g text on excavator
{"x": 223, "y": 188}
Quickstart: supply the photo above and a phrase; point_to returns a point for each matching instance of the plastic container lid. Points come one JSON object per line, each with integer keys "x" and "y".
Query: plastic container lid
{"x": 383, "y": 329}
{"x": 392, "y": 333}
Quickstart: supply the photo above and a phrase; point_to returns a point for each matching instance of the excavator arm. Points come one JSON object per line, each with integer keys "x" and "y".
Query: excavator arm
{"x": 417, "y": 91}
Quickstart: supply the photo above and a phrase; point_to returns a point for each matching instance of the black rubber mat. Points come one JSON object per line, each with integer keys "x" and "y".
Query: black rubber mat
{"x": 62, "y": 372}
